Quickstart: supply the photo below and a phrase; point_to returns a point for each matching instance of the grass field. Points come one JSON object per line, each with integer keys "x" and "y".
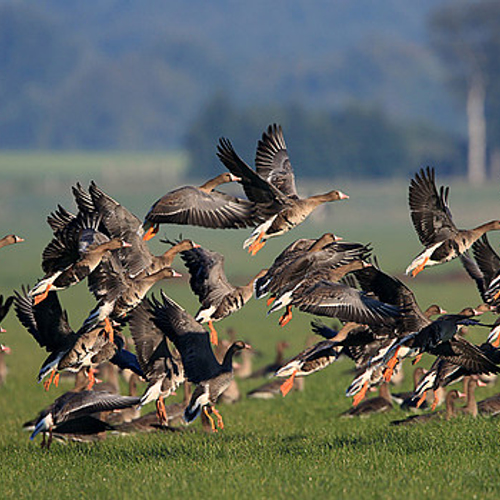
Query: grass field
{"x": 285, "y": 448}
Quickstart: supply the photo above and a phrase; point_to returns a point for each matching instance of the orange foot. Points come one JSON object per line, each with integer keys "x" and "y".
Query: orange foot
{"x": 421, "y": 400}
{"x": 92, "y": 380}
{"x": 47, "y": 383}
{"x": 42, "y": 296}
{"x": 212, "y": 423}
{"x": 56, "y": 379}
{"x": 161, "y": 411}
{"x": 287, "y": 385}
{"x": 286, "y": 318}
{"x": 257, "y": 244}
{"x": 108, "y": 328}
{"x": 213, "y": 334}
{"x": 495, "y": 297}
{"x": 435, "y": 402}
{"x": 360, "y": 395}
{"x": 270, "y": 300}
{"x": 220, "y": 422}
{"x": 496, "y": 342}
{"x": 417, "y": 359}
{"x": 391, "y": 365}
{"x": 151, "y": 232}
{"x": 419, "y": 268}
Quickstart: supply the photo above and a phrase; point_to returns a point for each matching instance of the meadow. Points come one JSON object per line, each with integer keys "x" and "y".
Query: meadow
{"x": 284, "y": 448}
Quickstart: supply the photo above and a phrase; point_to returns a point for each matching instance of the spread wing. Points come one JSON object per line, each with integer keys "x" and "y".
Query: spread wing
{"x": 189, "y": 205}
{"x": 429, "y": 209}
{"x": 272, "y": 162}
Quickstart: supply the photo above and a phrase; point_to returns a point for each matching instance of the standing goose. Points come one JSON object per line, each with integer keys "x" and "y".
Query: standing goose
{"x": 200, "y": 365}
{"x": 218, "y": 297}
{"x": 200, "y": 206}
{"x": 10, "y": 239}
{"x": 272, "y": 187}
{"x": 72, "y": 405}
{"x": 162, "y": 369}
{"x": 270, "y": 369}
{"x": 380, "y": 404}
{"x": 435, "y": 228}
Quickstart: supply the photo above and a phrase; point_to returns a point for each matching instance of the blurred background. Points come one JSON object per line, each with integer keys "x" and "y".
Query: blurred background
{"x": 362, "y": 88}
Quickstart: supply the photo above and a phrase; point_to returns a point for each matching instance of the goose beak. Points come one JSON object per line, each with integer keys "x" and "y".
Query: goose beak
{"x": 18, "y": 239}
{"x": 125, "y": 244}
{"x": 175, "y": 274}
{"x": 343, "y": 196}
{"x": 234, "y": 178}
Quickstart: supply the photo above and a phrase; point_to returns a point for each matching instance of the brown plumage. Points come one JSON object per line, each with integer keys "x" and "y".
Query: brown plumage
{"x": 272, "y": 187}
{"x": 200, "y": 365}
{"x": 201, "y": 206}
{"x": 380, "y": 404}
{"x": 435, "y": 228}
{"x": 219, "y": 298}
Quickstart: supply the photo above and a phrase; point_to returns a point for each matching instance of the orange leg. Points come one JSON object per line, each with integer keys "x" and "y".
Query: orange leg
{"x": 287, "y": 385}
{"x": 285, "y": 319}
{"x": 270, "y": 300}
{"x": 360, "y": 395}
{"x": 91, "y": 375}
{"x": 495, "y": 297}
{"x": 161, "y": 411}
{"x": 151, "y": 232}
{"x": 257, "y": 244}
{"x": 42, "y": 296}
{"x": 56, "y": 379}
{"x": 496, "y": 342}
{"x": 213, "y": 334}
{"x": 108, "y": 328}
{"x": 391, "y": 365}
{"x": 417, "y": 359}
{"x": 419, "y": 268}
{"x": 435, "y": 402}
{"x": 220, "y": 422}
{"x": 422, "y": 399}
{"x": 212, "y": 423}
{"x": 47, "y": 383}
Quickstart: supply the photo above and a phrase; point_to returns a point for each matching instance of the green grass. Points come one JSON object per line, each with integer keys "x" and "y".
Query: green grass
{"x": 285, "y": 448}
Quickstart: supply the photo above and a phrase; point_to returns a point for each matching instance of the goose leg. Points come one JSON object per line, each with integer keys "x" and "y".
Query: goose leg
{"x": 417, "y": 359}
{"x": 360, "y": 395}
{"x": 285, "y": 319}
{"x": 419, "y": 268}
{"x": 212, "y": 423}
{"x": 270, "y": 300}
{"x": 287, "y": 385}
{"x": 213, "y": 333}
{"x": 47, "y": 383}
{"x": 108, "y": 328}
{"x": 49, "y": 441}
{"x": 421, "y": 400}
{"x": 91, "y": 376}
{"x": 435, "y": 402}
{"x": 257, "y": 244}
{"x": 56, "y": 379}
{"x": 391, "y": 365}
{"x": 151, "y": 232}
{"x": 42, "y": 296}
{"x": 161, "y": 411}
{"x": 220, "y": 423}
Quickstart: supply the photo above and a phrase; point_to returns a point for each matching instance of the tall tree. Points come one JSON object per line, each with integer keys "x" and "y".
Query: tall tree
{"x": 466, "y": 36}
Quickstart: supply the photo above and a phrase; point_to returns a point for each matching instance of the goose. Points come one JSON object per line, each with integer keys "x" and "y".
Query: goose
{"x": 218, "y": 297}
{"x": 72, "y": 405}
{"x": 380, "y": 404}
{"x": 271, "y": 389}
{"x": 162, "y": 369}
{"x": 200, "y": 365}
{"x": 5, "y": 306}
{"x": 69, "y": 350}
{"x": 433, "y": 223}
{"x": 201, "y": 206}
{"x": 272, "y": 187}
{"x": 270, "y": 369}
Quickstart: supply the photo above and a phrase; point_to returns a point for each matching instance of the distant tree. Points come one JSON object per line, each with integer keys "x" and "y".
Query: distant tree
{"x": 467, "y": 37}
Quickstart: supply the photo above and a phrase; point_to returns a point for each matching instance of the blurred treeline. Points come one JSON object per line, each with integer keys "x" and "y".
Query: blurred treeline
{"x": 357, "y": 86}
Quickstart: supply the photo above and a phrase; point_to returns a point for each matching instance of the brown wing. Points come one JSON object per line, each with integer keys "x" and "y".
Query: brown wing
{"x": 272, "y": 162}
{"x": 191, "y": 206}
{"x": 429, "y": 209}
